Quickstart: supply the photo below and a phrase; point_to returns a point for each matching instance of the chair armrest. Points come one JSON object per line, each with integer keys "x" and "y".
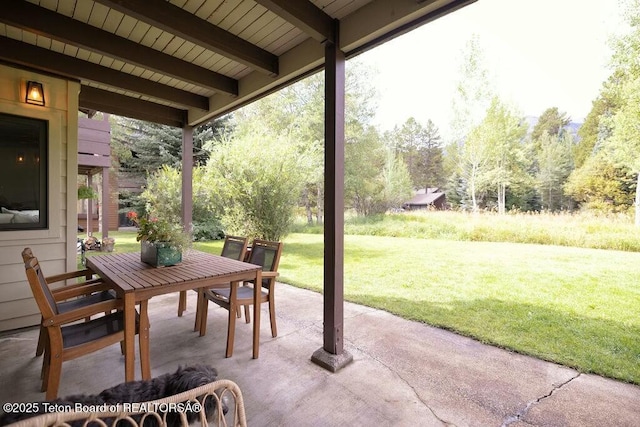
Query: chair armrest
{"x": 70, "y": 275}
{"x": 83, "y": 313}
{"x": 270, "y": 274}
{"x": 76, "y": 290}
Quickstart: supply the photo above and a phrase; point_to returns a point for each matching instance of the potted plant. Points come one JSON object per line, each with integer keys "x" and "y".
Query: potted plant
{"x": 161, "y": 241}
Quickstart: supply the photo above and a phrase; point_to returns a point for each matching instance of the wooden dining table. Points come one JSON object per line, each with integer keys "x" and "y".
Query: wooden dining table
{"x": 136, "y": 282}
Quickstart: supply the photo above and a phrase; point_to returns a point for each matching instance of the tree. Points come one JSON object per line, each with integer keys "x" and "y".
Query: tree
{"x": 469, "y": 105}
{"x": 555, "y": 163}
{"x": 376, "y": 178}
{"x": 163, "y": 197}
{"x": 493, "y": 153}
{"x": 295, "y": 115}
{"x": 474, "y": 91}
{"x": 550, "y": 121}
{"x": 141, "y": 148}
{"x": 421, "y": 149}
{"x": 256, "y": 180}
{"x": 602, "y": 186}
{"x": 623, "y": 146}
{"x": 595, "y": 128}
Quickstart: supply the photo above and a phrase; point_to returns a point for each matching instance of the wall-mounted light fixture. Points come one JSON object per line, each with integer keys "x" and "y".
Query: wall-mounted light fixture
{"x": 20, "y": 158}
{"x": 35, "y": 93}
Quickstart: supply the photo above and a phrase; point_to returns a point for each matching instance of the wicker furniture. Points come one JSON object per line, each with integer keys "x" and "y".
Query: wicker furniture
{"x": 135, "y": 415}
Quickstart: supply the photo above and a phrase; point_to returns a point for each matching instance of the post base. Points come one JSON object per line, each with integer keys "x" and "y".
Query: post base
{"x": 331, "y": 362}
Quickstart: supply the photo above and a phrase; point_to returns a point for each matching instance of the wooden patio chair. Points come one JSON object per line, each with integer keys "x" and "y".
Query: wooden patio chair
{"x": 72, "y": 296}
{"x": 67, "y": 340}
{"x": 235, "y": 247}
{"x": 263, "y": 253}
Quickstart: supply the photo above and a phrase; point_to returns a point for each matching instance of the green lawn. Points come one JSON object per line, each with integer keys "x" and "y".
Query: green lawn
{"x": 574, "y": 306}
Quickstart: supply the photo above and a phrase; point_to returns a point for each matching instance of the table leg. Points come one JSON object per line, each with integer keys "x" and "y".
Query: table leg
{"x": 145, "y": 359}
{"x": 129, "y": 336}
{"x": 257, "y": 288}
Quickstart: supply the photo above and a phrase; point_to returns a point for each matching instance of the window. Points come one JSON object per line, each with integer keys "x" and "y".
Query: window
{"x": 23, "y": 173}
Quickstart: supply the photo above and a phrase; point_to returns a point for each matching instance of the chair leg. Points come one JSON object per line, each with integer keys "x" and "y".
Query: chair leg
{"x": 231, "y": 329}
{"x": 45, "y": 367}
{"x": 247, "y": 316}
{"x": 53, "y": 376}
{"x": 182, "y": 303}
{"x": 272, "y": 317}
{"x": 41, "y": 338}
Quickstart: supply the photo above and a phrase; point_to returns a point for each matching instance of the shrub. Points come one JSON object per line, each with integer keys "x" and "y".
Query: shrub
{"x": 259, "y": 178}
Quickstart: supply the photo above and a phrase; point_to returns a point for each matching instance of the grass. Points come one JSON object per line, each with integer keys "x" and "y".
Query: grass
{"x": 575, "y": 306}
{"x": 578, "y": 230}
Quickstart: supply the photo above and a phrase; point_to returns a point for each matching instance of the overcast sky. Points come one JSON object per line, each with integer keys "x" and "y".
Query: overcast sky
{"x": 540, "y": 54}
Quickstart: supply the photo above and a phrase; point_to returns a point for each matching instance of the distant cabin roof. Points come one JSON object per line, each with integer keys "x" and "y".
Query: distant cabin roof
{"x": 427, "y": 197}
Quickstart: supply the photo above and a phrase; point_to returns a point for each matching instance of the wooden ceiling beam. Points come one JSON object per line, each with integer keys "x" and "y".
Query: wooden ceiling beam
{"x": 47, "y": 23}
{"x": 170, "y": 18}
{"x": 304, "y": 15}
{"x": 35, "y": 57}
{"x": 122, "y": 105}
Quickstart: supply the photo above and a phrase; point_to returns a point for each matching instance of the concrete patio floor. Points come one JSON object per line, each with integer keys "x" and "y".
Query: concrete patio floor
{"x": 403, "y": 374}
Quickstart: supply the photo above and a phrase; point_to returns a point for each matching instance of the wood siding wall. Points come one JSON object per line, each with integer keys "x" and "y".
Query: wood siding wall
{"x": 55, "y": 246}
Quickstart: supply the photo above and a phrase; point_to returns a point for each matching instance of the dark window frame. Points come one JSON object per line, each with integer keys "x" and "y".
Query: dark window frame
{"x": 34, "y": 133}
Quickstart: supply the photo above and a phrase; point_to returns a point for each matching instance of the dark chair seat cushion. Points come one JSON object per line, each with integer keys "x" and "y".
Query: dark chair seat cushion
{"x": 244, "y": 292}
{"x": 84, "y": 332}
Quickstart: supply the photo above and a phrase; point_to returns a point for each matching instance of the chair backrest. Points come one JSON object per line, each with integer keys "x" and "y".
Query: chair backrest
{"x": 41, "y": 292}
{"x": 266, "y": 254}
{"x": 235, "y": 247}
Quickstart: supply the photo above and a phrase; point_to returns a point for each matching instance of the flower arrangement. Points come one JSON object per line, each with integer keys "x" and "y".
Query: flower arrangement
{"x": 158, "y": 230}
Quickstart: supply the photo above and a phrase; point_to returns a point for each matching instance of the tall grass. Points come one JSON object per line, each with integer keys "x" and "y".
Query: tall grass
{"x": 582, "y": 230}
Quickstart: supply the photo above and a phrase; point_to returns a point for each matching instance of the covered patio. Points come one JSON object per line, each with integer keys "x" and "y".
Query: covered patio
{"x": 404, "y": 373}
{"x": 183, "y": 63}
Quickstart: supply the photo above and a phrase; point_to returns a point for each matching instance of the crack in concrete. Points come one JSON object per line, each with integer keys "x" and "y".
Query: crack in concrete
{"x": 523, "y": 412}
{"x": 415, "y": 392}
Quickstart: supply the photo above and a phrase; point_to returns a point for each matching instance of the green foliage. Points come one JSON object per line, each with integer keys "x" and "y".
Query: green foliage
{"x": 420, "y": 148}
{"x": 474, "y": 91}
{"x": 163, "y": 195}
{"x": 295, "y": 114}
{"x": 594, "y": 130}
{"x": 602, "y": 186}
{"x": 210, "y": 230}
{"x": 492, "y": 158}
{"x": 258, "y": 180}
{"x": 555, "y": 163}
{"x": 86, "y": 192}
{"x": 552, "y": 122}
{"x": 155, "y": 229}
